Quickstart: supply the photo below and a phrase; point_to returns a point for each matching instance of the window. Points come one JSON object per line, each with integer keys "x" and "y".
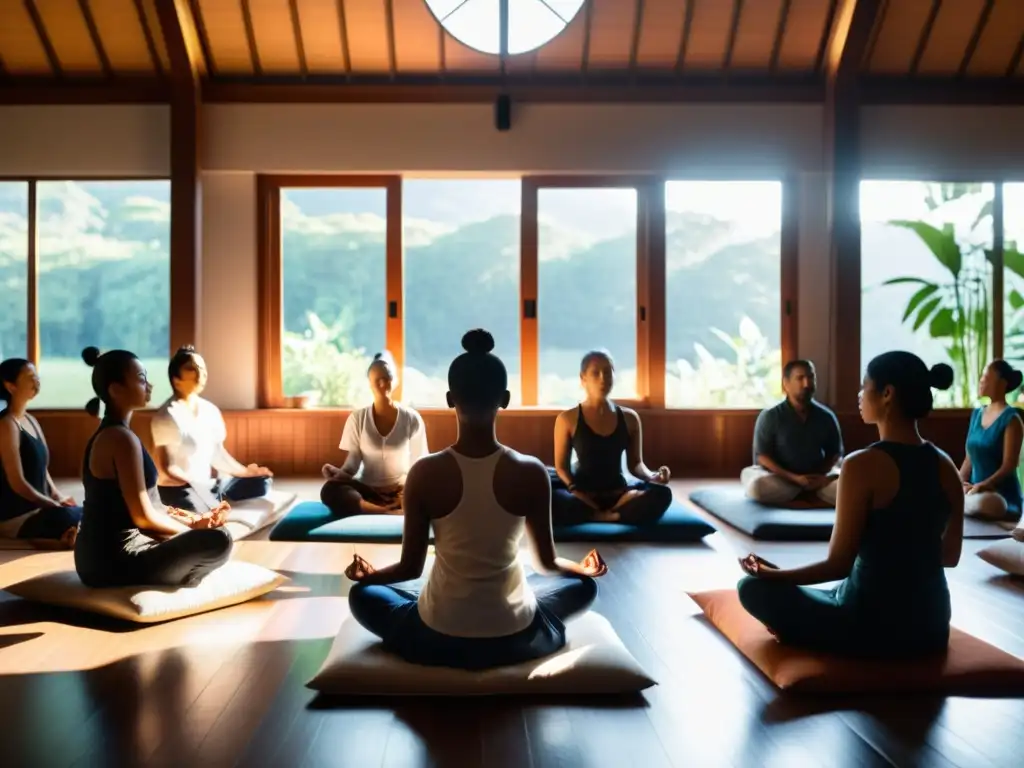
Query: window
{"x": 529, "y": 24}
{"x": 334, "y": 273}
{"x": 461, "y": 271}
{"x": 723, "y": 270}
{"x": 1013, "y": 281}
{"x": 926, "y": 277}
{"x": 587, "y": 299}
{"x": 14, "y": 269}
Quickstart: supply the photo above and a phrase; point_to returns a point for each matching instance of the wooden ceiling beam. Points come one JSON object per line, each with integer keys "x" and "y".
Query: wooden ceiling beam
{"x": 346, "y": 56}
{"x": 826, "y": 34}
{"x": 949, "y": 91}
{"x": 154, "y": 56}
{"x": 634, "y": 43}
{"x": 250, "y": 37}
{"x": 47, "y": 90}
{"x": 734, "y": 28}
{"x": 972, "y": 44}
{"x": 183, "y": 48}
{"x": 94, "y": 36}
{"x": 204, "y": 39}
{"x": 44, "y": 37}
{"x": 1011, "y": 69}
{"x": 780, "y": 34}
{"x": 684, "y": 37}
{"x": 300, "y": 46}
{"x": 926, "y": 34}
{"x": 848, "y": 41}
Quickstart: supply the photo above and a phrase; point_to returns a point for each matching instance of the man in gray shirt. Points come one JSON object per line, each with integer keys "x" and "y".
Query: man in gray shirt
{"x": 797, "y": 444}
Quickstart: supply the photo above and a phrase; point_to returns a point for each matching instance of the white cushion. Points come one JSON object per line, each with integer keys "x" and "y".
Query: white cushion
{"x": 249, "y": 516}
{"x": 234, "y": 582}
{"x": 593, "y": 661}
{"x": 1007, "y": 554}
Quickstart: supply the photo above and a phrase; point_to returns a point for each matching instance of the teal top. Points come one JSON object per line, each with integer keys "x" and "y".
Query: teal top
{"x": 985, "y": 449}
{"x": 898, "y": 582}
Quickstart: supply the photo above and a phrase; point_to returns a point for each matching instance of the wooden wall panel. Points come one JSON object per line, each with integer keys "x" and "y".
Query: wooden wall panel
{"x": 696, "y": 444}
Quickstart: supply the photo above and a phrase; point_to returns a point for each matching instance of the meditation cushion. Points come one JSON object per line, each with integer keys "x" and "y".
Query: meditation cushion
{"x": 312, "y": 521}
{"x": 970, "y": 667}
{"x": 1007, "y": 555}
{"x": 252, "y": 515}
{"x": 234, "y": 582}
{"x": 593, "y": 661}
{"x": 731, "y": 504}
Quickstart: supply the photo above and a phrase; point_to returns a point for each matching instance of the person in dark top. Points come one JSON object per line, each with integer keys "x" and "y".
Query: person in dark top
{"x": 595, "y": 486}
{"x": 989, "y": 471}
{"x": 797, "y": 444}
{"x": 899, "y": 524}
{"x": 31, "y": 507}
{"x": 128, "y": 537}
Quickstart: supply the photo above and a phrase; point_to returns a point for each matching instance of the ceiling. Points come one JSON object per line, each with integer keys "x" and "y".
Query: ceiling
{"x": 620, "y": 41}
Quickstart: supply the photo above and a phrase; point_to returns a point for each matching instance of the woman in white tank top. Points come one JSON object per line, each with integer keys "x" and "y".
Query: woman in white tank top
{"x": 477, "y": 608}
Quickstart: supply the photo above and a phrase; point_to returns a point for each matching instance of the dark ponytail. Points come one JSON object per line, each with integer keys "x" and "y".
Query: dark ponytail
{"x": 10, "y": 370}
{"x": 1009, "y": 374}
{"x": 107, "y": 368}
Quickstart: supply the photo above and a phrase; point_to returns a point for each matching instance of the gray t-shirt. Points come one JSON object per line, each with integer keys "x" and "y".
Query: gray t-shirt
{"x": 797, "y": 445}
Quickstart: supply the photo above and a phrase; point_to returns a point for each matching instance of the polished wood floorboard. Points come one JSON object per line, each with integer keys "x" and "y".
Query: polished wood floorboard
{"x": 227, "y": 688}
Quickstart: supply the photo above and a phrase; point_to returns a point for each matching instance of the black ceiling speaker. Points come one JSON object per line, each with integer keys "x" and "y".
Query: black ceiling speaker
{"x": 503, "y": 112}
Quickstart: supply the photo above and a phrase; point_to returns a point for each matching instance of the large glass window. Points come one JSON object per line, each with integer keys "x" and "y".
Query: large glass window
{"x": 587, "y": 244}
{"x": 461, "y": 271}
{"x": 13, "y": 269}
{"x": 334, "y": 262}
{"x": 723, "y": 294}
{"x": 103, "y": 280}
{"x": 1013, "y": 282}
{"x": 926, "y": 276}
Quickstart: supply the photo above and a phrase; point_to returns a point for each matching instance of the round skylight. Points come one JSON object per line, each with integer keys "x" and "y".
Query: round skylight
{"x": 478, "y": 23}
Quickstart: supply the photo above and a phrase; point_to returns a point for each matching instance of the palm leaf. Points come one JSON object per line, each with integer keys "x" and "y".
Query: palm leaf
{"x": 941, "y": 242}
{"x": 918, "y": 297}
{"x": 925, "y": 311}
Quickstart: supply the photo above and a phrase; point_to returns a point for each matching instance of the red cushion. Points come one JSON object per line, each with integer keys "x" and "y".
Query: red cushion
{"x": 969, "y": 667}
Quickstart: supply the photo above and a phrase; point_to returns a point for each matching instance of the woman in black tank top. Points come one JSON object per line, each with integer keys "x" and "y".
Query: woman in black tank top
{"x": 595, "y": 487}
{"x": 127, "y": 536}
{"x": 31, "y": 507}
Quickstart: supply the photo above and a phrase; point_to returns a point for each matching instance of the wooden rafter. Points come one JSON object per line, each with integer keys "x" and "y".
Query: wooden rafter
{"x": 926, "y": 34}
{"x": 179, "y": 30}
{"x": 734, "y": 27}
{"x": 204, "y": 39}
{"x": 1011, "y": 69}
{"x": 389, "y": 21}
{"x": 684, "y": 37}
{"x": 94, "y": 35}
{"x": 346, "y": 56}
{"x": 780, "y": 34}
{"x": 588, "y": 22}
{"x": 300, "y": 47}
{"x": 848, "y": 41}
{"x": 634, "y": 44}
{"x": 44, "y": 37}
{"x": 154, "y": 55}
{"x": 826, "y": 33}
{"x": 250, "y": 38}
{"x": 972, "y": 44}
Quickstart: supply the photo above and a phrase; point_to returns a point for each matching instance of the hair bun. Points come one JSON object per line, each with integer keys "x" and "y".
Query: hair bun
{"x": 93, "y": 406}
{"x": 186, "y": 349}
{"x": 478, "y": 342}
{"x": 940, "y": 376}
{"x": 90, "y": 355}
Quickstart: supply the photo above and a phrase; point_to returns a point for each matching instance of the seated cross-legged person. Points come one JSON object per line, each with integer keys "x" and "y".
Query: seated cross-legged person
{"x": 797, "y": 444}
{"x": 478, "y": 608}
{"x": 189, "y": 433}
{"x": 128, "y": 537}
{"x": 31, "y": 507}
{"x": 600, "y": 432}
{"x": 989, "y": 471}
{"x": 379, "y": 443}
{"x": 899, "y": 524}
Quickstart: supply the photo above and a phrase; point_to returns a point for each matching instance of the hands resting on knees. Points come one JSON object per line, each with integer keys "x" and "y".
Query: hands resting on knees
{"x": 755, "y": 565}
{"x": 592, "y": 565}
{"x": 255, "y": 470}
{"x": 215, "y": 518}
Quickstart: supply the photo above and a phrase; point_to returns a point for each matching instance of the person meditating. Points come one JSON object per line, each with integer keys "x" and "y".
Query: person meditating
{"x": 797, "y": 444}
{"x": 188, "y": 434}
{"x": 477, "y": 609}
{"x": 899, "y": 524}
{"x": 600, "y": 432}
{"x": 128, "y": 537}
{"x": 31, "y": 507}
{"x": 989, "y": 471}
{"x": 379, "y": 444}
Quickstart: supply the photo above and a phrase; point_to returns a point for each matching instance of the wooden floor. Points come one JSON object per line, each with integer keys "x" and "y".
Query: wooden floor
{"x": 227, "y": 688}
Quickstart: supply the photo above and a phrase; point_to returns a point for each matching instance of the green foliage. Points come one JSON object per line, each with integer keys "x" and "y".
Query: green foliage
{"x": 321, "y": 365}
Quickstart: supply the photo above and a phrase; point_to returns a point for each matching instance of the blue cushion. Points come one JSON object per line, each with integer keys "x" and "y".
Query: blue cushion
{"x": 732, "y": 505}
{"x": 312, "y": 521}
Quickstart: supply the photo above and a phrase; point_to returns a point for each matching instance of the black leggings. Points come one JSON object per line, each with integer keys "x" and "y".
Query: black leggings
{"x": 50, "y": 523}
{"x": 344, "y": 497}
{"x": 183, "y": 560}
{"x": 231, "y": 489}
{"x": 645, "y": 509}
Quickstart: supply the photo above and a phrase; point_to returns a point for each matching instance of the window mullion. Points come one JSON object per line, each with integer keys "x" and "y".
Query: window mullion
{"x": 528, "y": 309}
{"x": 998, "y": 275}
{"x": 395, "y": 304}
{"x": 32, "y": 320}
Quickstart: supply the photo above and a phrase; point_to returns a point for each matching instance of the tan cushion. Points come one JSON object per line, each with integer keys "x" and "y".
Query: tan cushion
{"x": 970, "y": 666}
{"x": 593, "y": 661}
{"x": 1007, "y": 554}
{"x": 235, "y": 582}
{"x": 252, "y": 515}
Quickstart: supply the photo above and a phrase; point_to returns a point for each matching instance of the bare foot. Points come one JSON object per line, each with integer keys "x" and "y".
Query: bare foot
{"x": 1018, "y": 534}
{"x": 627, "y": 497}
{"x": 606, "y": 516}
{"x": 70, "y": 537}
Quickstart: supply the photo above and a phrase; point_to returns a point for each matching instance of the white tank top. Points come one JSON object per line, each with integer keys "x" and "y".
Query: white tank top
{"x": 477, "y": 587}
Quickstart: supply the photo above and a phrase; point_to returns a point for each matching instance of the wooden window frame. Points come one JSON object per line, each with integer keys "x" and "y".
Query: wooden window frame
{"x": 33, "y": 352}
{"x": 650, "y": 275}
{"x": 849, "y": 294}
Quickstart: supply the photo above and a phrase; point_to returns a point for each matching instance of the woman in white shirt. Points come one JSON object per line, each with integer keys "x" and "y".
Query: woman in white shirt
{"x": 379, "y": 444}
{"x": 477, "y": 609}
{"x": 189, "y": 434}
